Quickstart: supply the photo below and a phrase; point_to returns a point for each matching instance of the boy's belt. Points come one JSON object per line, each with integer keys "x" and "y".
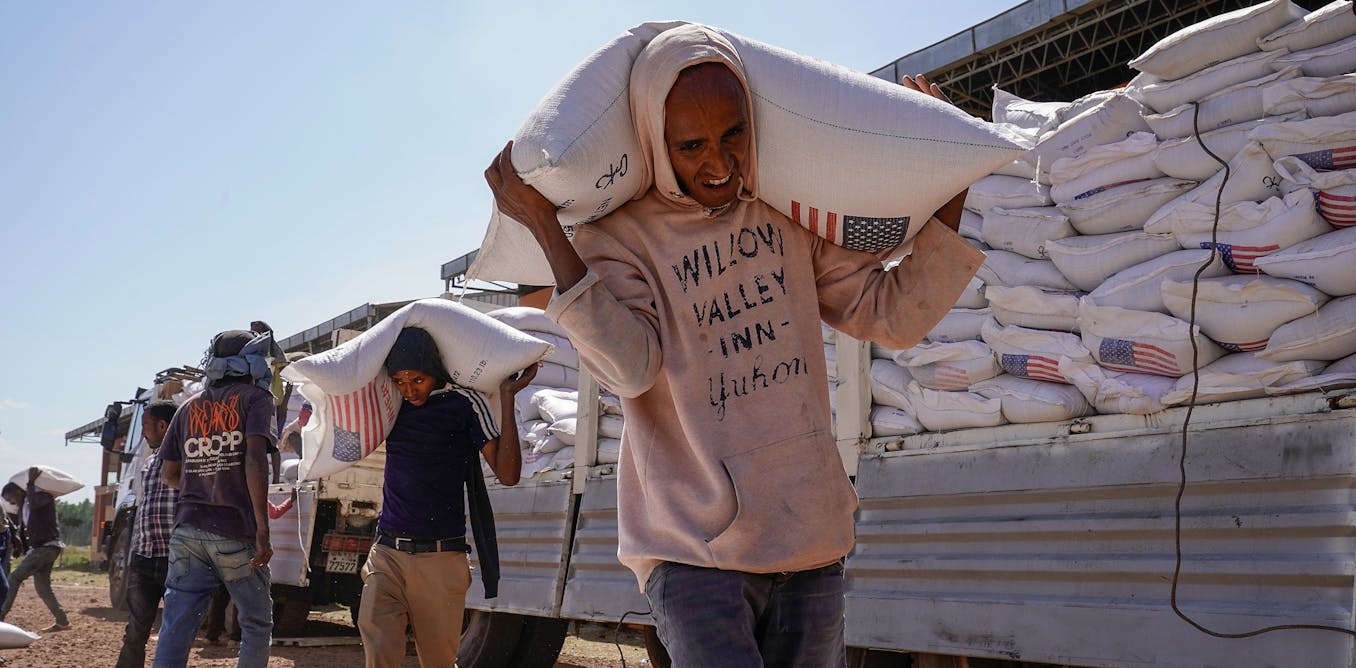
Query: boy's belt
{"x": 421, "y": 545}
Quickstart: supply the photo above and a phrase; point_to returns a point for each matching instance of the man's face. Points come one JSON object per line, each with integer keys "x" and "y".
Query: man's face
{"x": 415, "y": 386}
{"x": 15, "y": 499}
{"x": 153, "y": 428}
{"x": 706, "y": 132}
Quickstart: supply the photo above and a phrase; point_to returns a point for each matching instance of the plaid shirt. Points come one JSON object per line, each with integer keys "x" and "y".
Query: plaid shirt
{"x": 155, "y": 512}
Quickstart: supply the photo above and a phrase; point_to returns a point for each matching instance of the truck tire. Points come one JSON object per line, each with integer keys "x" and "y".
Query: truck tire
{"x": 659, "y": 657}
{"x": 291, "y": 606}
{"x": 119, "y": 559}
{"x": 489, "y": 639}
{"x": 540, "y": 642}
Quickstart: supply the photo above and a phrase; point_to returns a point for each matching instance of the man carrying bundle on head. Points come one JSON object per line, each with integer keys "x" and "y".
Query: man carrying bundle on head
{"x": 216, "y": 453}
{"x": 700, "y": 306}
{"x": 41, "y": 536}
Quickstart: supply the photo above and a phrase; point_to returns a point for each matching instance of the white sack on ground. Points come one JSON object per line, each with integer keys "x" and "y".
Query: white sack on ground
{"x": 1036, "y": 308}
{"x": 1123, "y": 208}
{"x": 1336, "y": 189}
{"x": 959, "y": 324}
{"x": 1118, "y": 391}
{"x": 1249, "y": 230}
{"x": 1087, "y": 261}
{"x": 1139, "y": 288}
{"x": 1183, "y": 158}
{"x": 1236, "y": 104}
{"x": 1025, "y": 231}
{"x": 1327, "y": 262}
{"x": 1252, "y": 178}
{"x": 891, "y": 421}
{"x": 1338, "y": 375}
{"x": 1315, "y": 96}
{"x": 1327, "y": 60}
{"x": 1217, "y": 39}
{"x": 1329, "y": 334}
{"x": 1009, "y": 192}
{"x": 1162, "y": 96}
{"x": 52, "y": 480}
{"x": 1110, "y": 120}
{"x": 1325, "y": 25}
{"x": 890, "y": 384}
{"x": 13, "y": 637}
{"x": 952, "y": 366}
{"x": 1240, "y": 312}
{"x": 1005, "y": 268}
{"x": 1238, "y": 376}
{"x": 354, "y": 401}
{"x": 1034, "y": 353}
{"x": 1103, "y": 167}
{"x": 812, "y": 119}
{"x": 943, "y": 411}
{"x": 1142, "y": 342}
{"x": 1026, "y": 401}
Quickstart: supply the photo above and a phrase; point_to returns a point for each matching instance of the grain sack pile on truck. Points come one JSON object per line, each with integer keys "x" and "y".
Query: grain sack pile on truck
{"x": 1093, "y": 237}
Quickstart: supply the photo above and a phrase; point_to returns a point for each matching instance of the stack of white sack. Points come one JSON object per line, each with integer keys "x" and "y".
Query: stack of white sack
{"x": 354, "y": 403}
{"x": 547, "y": 411}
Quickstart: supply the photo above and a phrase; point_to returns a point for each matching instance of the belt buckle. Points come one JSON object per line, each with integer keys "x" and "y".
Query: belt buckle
{"x": 409, "y": 541}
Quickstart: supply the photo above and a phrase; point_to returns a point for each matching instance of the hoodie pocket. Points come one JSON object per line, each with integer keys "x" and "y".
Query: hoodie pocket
{"x": 795, "y": 506}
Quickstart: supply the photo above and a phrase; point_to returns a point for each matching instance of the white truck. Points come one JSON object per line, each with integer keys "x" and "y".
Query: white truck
{"x": 319, "y": 543}
{"x": 1037, "y": 543}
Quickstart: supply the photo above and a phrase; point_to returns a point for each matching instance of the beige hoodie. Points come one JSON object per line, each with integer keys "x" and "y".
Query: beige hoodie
{"x": 706, "y": 323}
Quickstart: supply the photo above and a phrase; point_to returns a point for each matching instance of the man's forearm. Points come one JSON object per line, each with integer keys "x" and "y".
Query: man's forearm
{"x": 256, "y": 479}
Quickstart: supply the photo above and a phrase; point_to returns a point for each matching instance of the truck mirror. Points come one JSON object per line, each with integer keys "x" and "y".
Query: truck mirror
{"x": 109, "y": 435}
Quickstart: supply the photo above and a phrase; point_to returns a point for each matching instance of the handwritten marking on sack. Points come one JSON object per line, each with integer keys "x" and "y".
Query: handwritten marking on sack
{"x": 598, "y": 211}
{"x": 613, "y": 171}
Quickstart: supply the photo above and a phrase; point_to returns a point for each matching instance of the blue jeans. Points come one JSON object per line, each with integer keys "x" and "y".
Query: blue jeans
{"x": 710, "y": 617}
{"x": 199, "y": 562}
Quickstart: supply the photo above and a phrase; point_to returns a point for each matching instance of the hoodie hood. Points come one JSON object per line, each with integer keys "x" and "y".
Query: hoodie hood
{"x": 652, "y": 76}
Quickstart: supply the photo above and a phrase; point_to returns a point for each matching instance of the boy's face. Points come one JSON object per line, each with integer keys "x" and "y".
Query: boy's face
{"x": 414, "y": 386}
{"x": 706, "y": 132}
{"x": 15, "y": 499}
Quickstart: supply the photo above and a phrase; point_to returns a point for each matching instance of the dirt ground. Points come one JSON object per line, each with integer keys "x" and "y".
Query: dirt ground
{"x": 96, "y": 630}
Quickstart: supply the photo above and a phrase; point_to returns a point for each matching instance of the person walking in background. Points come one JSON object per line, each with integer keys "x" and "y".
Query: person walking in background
{"x": 42, "y": 535}
{"x": 7, "y": 541}
{"x": 149, "y": 563}
{"x": 216, "y": 453}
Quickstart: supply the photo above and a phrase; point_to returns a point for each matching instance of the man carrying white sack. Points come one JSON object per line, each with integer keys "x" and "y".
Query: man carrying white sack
{"x": 700, "y": 306}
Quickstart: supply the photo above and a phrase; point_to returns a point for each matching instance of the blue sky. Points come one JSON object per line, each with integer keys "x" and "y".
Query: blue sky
{"x": 172, "y": 169}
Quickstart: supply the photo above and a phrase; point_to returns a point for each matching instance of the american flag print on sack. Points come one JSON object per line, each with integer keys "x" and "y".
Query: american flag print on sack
{"x": 1035, "y": 367}
{"x": 1244, "y": 347}
{"x": 1327, "y": 160}
{"x": 361, "y": 420}
{"x": 873, "y": 235}
{"x": 1240, "y": 259}
{"x": 949, "y": 377}
{"x": 1127, "y": 355}
{"x": 1338, "y": 210}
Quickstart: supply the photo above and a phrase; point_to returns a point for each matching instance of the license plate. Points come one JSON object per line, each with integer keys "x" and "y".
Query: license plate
{"x": 342, "y": 562}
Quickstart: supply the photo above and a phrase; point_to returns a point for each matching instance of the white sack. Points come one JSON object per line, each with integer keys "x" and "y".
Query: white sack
{"x": 1325, "y": 61}
{"x": 564, "y": 430}
{"x": 1249, "y": 230}
{"x": 959, "y": 324}
{"x": 1036, "y": 308}
{"x": 1110, "y": 120}
{"x": 831, "y": 360}
{"x": 13, "y": 637}
{"x": 1009, "y": 269}
{"x": 1319, "y": 95}
{"x": 1036, "y": 118}
{"x": 1252, "y": 178}
{"x": 891, "y": 421}
{"x": 1183, "y": 158}
{"x": 1139, "y": 288}
{"x": 609, "y": 450}
{"x": 611, "y": 403}
{"x": 1328, "y": 334}
{"x": 1240, "y": 312}
{"x": 970, "y": 224}
{"x": 1103, "y": 167}
{"x": 551, "y": 374}
{"x": 941, "y": 411}
{"x": 973, "y": 297}
{"x": 1238, "y": 103}
{"x": 1026, "y": 401}
{"x": 1025, "y": 231}
{"x": 528, "y": 319}
{"x": 1087, "y": 261}
{"x": 532, "y": 432}
{"x": 551, "y": 444}
{"x": 813, "y": 120}
{"x": 1123, "y": 208}
{"x": 1217, "y": 39}
{"x": 611, "y": 426}
{"x": 1161, "y": 96}
{"x": 354, "y": 401}
{"x": 1009, "y": 192}
{"x": 890, "y": 385}
{"x": 1118, "y": 391}
{"x": 52, "y": 480}
{"x": 952, "y": 366}
{"x": 1142, "y": 342}
{"x": 1338, "y": 375}
{"x": 1336, "y": 189}
{"x": 1326, "y": 143}
{"x": 1034, "y": 353}
{"x": 556, "y": 406}
{"x": 1325, "y": 25}
{"x": 1238, "y": 376}
{"x": 562, "y": 352}
{"x": 1327, "y": 262}
{"x": 523, "y": 407}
